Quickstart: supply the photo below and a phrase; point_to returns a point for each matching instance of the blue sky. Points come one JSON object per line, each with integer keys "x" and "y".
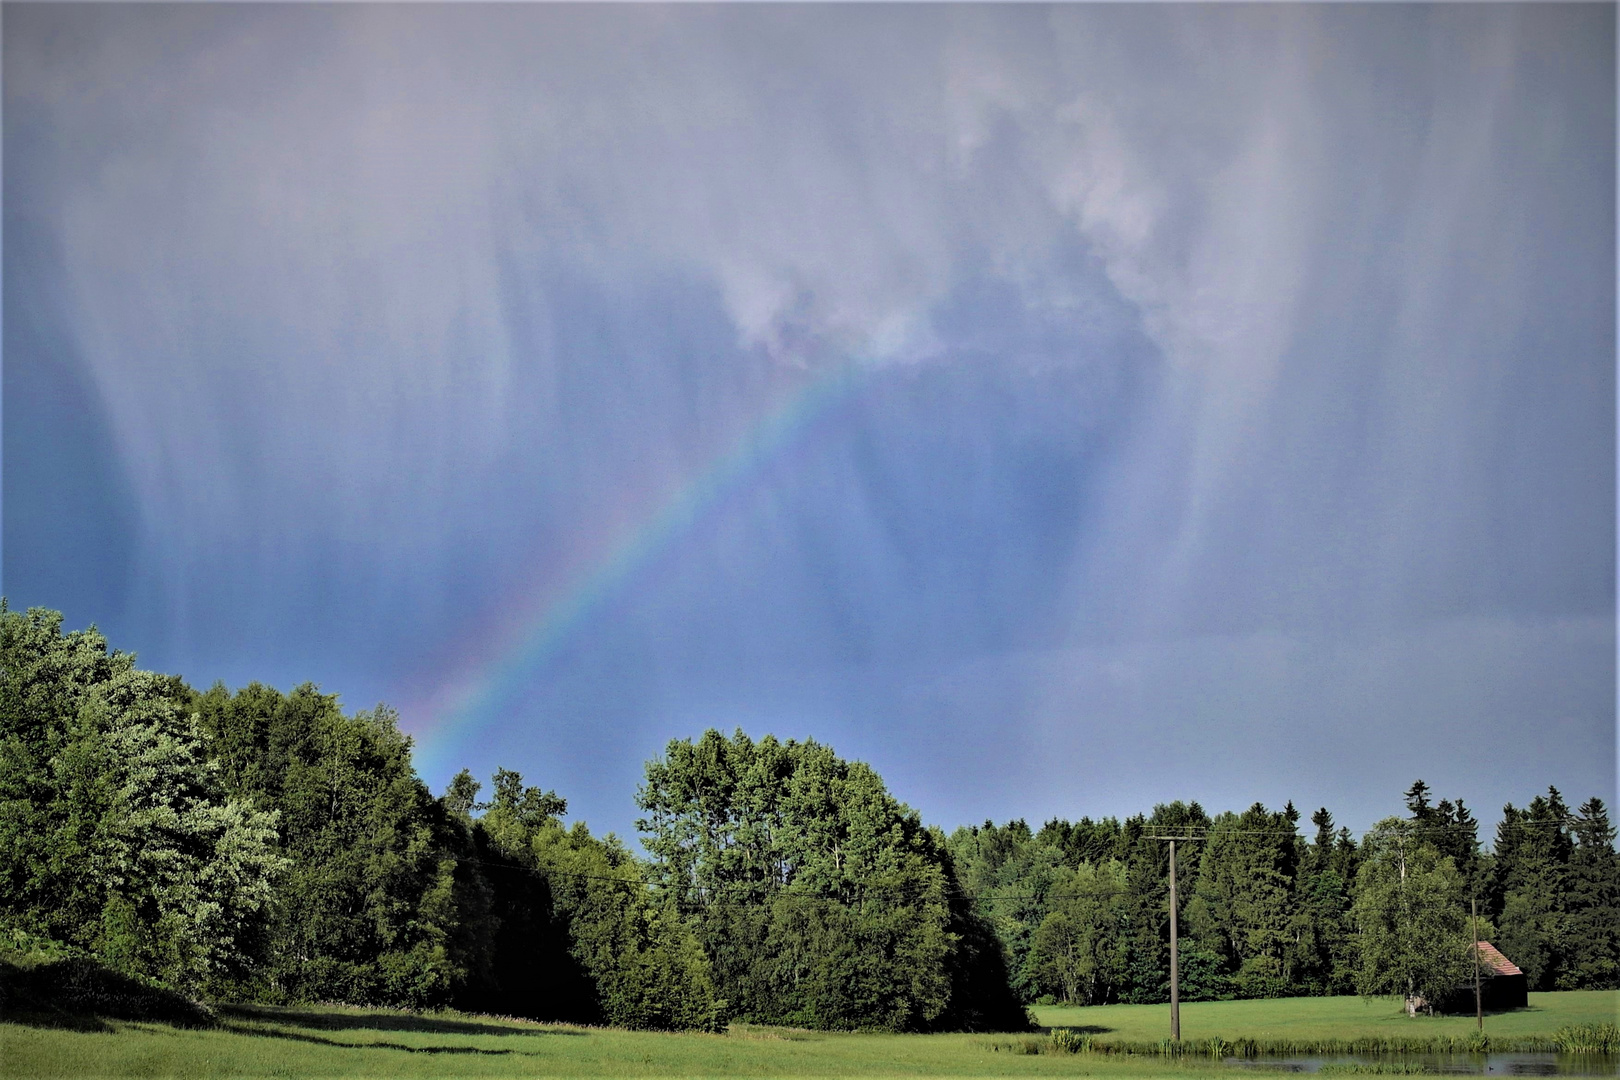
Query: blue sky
{"x": 1064, "y": 409}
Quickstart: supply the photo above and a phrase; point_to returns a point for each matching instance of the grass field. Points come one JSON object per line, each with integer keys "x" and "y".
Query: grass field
{"x": 332, "y": 1041}
{"x": 341, "y": 1042}
{"x": 1327, "y": 1018}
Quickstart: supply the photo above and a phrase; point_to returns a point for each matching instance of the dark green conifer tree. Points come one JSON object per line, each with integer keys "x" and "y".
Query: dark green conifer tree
{"x": 1533, "y": 849}
{"x": 1242, "y": 908}
{"x": 1592, "y": 904}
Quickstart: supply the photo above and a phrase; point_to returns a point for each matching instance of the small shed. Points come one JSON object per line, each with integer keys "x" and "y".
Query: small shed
{"x": 1502, "y": 985}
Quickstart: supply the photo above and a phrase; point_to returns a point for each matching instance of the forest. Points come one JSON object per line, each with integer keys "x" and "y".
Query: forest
{"x": 261, "y": 846}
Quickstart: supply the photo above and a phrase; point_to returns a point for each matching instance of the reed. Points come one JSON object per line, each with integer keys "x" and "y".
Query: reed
{"x": 1588, "y": 1038}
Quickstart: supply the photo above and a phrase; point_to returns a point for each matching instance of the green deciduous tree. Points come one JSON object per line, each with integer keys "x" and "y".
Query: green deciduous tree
{"x": 1013, "y": 872}
{"x": 646, "y": 967}
{"x": 1410, "y": 915}
{"x": 1081, "y": 950}
{"x": 115, "y": 832}
{"x": 818, "y": 898}
{"x": 580, "y": 935}
{"x": 372, "y": 909}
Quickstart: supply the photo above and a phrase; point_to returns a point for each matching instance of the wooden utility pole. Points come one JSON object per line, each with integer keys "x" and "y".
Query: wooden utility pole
{"x": 1175, "y": 965}
{"x": 1479, "y": 1008}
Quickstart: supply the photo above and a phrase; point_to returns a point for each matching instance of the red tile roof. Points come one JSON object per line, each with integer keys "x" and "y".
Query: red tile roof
{"x": 1494, "y": 962}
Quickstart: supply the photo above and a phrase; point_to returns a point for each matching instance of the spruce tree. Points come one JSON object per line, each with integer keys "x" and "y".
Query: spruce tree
{"x": 1592, "y": 904}
{"x": 1533, "y": 849}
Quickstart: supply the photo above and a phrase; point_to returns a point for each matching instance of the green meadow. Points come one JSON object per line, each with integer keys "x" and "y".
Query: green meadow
{"x": 335, "y": 1041}
{"x": 1306, "y": 1018}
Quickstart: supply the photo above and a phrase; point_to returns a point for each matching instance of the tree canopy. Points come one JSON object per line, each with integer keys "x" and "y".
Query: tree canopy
{"x": 1410, "y": 915}
{"x": 116, "y": 833}
{"x": 268, "y": 846}
{"x": 819, "y": 899}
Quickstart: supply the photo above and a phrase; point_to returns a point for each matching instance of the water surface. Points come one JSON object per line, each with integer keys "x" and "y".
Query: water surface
{"x": 1527, "y": 1063}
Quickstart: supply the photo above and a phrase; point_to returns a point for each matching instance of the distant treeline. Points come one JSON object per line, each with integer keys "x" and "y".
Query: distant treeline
{"x": 261, "y": 846}
{"x": 1082, "y": 910}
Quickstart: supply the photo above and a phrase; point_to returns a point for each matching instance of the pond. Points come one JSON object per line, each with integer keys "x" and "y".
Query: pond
{"x": 1503, "y": 1064}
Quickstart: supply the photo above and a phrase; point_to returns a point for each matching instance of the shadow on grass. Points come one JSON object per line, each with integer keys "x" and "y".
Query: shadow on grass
{"x": 79, "y": 994}
{"x": 55, "y": 1020}
{"x": 328, "y": 1020}
{"x": 255, "y": 1031}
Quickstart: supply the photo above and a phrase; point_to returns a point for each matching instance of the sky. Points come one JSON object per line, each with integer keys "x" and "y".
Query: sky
{"x": 1063, "y": 409}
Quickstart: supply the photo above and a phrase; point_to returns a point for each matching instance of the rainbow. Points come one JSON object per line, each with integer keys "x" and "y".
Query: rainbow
{"x": 475, "y": 700}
